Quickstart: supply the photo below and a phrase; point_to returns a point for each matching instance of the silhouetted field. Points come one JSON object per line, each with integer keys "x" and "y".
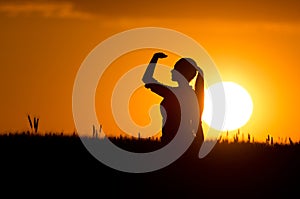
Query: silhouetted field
{"x": 61, "y": 166}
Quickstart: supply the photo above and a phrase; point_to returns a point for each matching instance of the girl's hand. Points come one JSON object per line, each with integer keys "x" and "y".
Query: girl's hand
{"x": 160, "y": 55}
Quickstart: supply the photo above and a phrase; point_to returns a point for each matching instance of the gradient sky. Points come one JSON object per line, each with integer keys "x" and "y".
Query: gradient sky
{"x": 253, "y": 43}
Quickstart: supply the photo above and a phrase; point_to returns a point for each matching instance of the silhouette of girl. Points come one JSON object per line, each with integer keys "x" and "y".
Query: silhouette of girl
{"x": 170, "y": 107}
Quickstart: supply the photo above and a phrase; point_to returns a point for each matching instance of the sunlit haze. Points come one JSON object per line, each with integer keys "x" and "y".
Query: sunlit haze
{"x": 254, "y": 44}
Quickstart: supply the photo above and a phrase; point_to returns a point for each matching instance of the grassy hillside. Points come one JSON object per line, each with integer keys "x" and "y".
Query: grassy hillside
{"x": 58, "y": 164}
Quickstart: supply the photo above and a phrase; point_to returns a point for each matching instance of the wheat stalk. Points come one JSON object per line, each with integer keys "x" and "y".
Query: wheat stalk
{"x": 30, "y": 122}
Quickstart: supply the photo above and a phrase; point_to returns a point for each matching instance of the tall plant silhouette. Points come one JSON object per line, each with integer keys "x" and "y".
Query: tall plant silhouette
{"x": 34, "y": 127}
{"x": 95, "y": 131}
{"x": 30, "y": 122}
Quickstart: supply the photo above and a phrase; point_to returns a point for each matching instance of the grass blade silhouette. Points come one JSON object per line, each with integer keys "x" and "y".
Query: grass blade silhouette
{"x": 36, "y": 124}
{"x": 30, "y": 122}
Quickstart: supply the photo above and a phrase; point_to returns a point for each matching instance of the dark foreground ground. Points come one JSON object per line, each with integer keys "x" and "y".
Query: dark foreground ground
{"x": 60, "y": 166}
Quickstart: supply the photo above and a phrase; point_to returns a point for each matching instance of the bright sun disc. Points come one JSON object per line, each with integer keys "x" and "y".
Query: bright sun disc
{"x": 238, "y": 105}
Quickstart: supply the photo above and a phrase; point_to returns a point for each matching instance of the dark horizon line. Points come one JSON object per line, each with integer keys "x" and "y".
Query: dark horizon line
{"x": 132, "y": 138}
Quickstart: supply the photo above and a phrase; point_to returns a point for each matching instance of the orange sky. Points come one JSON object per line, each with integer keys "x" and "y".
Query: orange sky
{"x": 253, "y": 43}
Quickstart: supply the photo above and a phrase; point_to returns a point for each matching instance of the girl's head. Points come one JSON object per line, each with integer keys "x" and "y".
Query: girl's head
{"x": 186, "y": 67}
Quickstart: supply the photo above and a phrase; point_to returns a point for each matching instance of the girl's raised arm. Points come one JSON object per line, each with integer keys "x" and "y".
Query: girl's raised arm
{"x": 148, "y": 76}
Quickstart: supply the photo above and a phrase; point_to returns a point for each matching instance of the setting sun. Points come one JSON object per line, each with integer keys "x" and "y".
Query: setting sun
{"x": 238, "y": 105}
